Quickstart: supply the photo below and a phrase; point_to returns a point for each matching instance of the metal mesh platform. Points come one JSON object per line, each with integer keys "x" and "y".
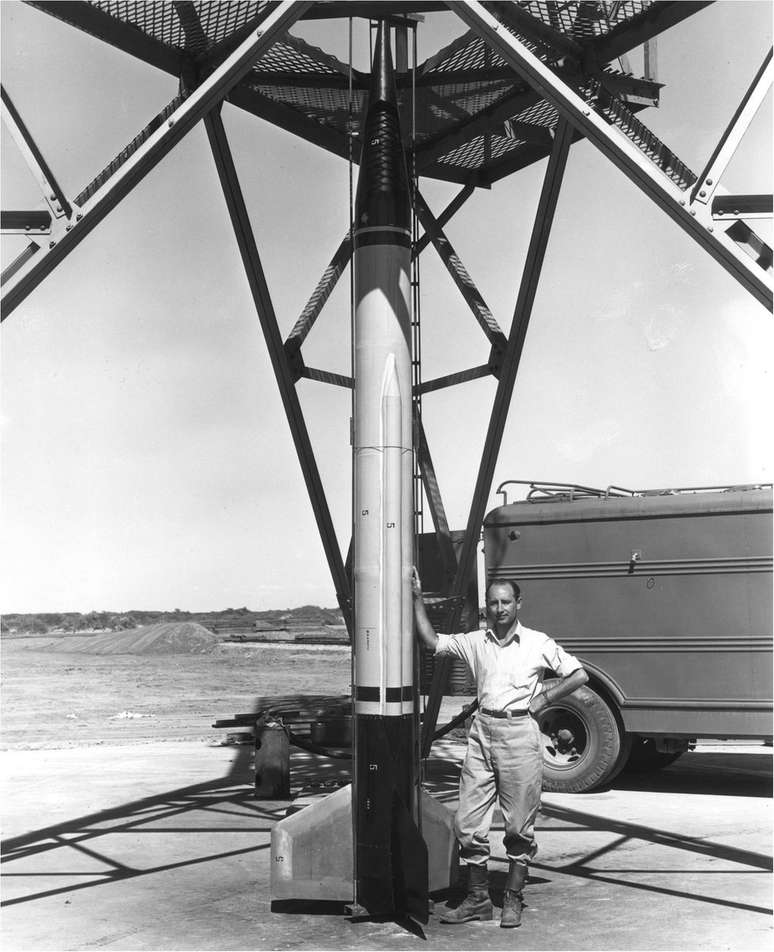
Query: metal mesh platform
{"x": 465, "y": 93}
{"x": 585, "y": 20}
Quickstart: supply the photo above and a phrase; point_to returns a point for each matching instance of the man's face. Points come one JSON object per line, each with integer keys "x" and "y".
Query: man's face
{"x": 501, "y": 605}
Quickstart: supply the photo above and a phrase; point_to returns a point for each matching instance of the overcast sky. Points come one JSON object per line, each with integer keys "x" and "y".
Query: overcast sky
{"x": 146, "y": 459}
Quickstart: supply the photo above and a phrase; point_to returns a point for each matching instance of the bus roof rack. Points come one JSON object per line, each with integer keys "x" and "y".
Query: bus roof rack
{"x": 546, "y": 491}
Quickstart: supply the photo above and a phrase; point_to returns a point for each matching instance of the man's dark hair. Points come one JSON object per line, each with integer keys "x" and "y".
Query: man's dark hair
{"x": 504, "y": 581}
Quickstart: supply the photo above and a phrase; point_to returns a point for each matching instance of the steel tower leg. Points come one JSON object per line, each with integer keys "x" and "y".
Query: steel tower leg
{"x": 251, "y": 259}
{"x": 537, "y": 248}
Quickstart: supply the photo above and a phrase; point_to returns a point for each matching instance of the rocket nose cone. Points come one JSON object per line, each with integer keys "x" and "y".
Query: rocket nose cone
{"x": 383, "y": 85}
{"x": 382, "y": 190}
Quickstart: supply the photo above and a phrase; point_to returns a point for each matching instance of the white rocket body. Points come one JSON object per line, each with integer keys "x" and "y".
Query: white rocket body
{"x": 383, "y": 469}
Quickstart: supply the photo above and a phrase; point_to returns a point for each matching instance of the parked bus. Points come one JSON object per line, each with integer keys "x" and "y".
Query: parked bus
{"x": 665, "y": 596}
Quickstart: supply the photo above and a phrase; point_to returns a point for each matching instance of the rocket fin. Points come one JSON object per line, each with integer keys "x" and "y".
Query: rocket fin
{"x": 311, "y": 856}
{"x": 410, "y": 866}
{"x": 395, "y": 880}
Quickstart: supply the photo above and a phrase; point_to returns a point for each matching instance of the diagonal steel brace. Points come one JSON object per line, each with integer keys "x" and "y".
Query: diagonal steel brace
{"x": 460, "y": 276}
{"x": 263, "y": 303}
{"x": 523, "y": 311}
{"x": 616, "y": 147}
{"x": 206, "y": 96}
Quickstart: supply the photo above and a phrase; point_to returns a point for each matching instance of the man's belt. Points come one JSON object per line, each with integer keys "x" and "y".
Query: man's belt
{"x": 520, "y": 712}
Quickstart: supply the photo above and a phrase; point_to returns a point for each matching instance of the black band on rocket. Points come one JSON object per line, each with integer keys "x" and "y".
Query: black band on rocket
{"x": 382, "y": 236}
{"x": 406, "y": 693}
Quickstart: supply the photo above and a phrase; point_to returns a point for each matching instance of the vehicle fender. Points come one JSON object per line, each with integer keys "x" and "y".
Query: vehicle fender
{"x": 604, "y": 685}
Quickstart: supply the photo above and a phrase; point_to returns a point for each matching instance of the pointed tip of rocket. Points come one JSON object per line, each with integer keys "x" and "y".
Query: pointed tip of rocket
{"x": 382, "y": 78}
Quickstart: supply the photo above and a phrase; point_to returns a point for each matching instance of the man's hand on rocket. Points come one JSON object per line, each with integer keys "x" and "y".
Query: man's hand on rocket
{"x": 416, "y": 583}
{"x": 424, "y": 629}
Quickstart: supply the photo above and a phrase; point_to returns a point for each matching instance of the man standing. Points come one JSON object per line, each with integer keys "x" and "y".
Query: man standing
{"x": 504, "y": 758}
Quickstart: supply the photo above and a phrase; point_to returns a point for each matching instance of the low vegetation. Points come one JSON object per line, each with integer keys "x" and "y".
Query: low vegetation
{"x": 230, "y": 619}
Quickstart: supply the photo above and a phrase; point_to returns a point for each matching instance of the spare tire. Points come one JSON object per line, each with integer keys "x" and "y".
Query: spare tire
{"x": 582, "y": 743}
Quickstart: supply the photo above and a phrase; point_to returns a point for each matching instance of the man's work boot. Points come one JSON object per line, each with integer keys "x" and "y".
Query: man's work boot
{"x": 477, "y": 904}
{"x": 512, "y": 901}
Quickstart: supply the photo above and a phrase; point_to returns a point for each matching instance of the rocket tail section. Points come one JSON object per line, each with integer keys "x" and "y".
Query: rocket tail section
{"x": 391, "y": 855}
{"x": 312, "y": 857}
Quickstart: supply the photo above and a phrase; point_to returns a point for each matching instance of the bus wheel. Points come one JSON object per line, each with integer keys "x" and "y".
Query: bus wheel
{"x": 644, "y": 756}
{"x": 581, "y": 742}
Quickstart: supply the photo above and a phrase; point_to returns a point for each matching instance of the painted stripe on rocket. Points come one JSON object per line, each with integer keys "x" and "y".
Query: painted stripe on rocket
{"x": 367, "y": 229}
{"x": 382, "y": 235}
{"x": 392, "y": 695}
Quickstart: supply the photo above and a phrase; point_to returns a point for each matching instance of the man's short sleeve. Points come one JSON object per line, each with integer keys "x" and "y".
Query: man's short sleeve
{"x": 559, "y": 660}
{"x": 451, "y": 645}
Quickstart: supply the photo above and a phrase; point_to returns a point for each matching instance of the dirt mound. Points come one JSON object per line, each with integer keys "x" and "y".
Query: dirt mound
{"x": 187, "y": 637}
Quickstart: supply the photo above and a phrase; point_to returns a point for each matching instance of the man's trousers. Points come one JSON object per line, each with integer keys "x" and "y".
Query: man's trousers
{"x": 504, "y": 759}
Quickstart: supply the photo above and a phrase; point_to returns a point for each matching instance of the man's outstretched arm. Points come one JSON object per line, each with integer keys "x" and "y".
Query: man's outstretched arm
{"x": 425, "y": 631}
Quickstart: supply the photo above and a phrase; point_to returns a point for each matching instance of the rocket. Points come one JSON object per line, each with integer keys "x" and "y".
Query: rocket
{"x": 370, "y": 842}
{"x": 390, "y": 854}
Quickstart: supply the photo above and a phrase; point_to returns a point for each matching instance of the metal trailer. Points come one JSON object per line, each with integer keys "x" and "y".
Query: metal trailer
{"x": 665, "y": 596}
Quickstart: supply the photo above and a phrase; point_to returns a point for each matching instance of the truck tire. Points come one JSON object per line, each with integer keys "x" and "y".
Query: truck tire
{"x": 644, "y": 756}
{"x": 582, "y": 742}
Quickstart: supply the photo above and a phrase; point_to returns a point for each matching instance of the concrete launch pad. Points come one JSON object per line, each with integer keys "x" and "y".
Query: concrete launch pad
{"x": 163, "y": 846}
